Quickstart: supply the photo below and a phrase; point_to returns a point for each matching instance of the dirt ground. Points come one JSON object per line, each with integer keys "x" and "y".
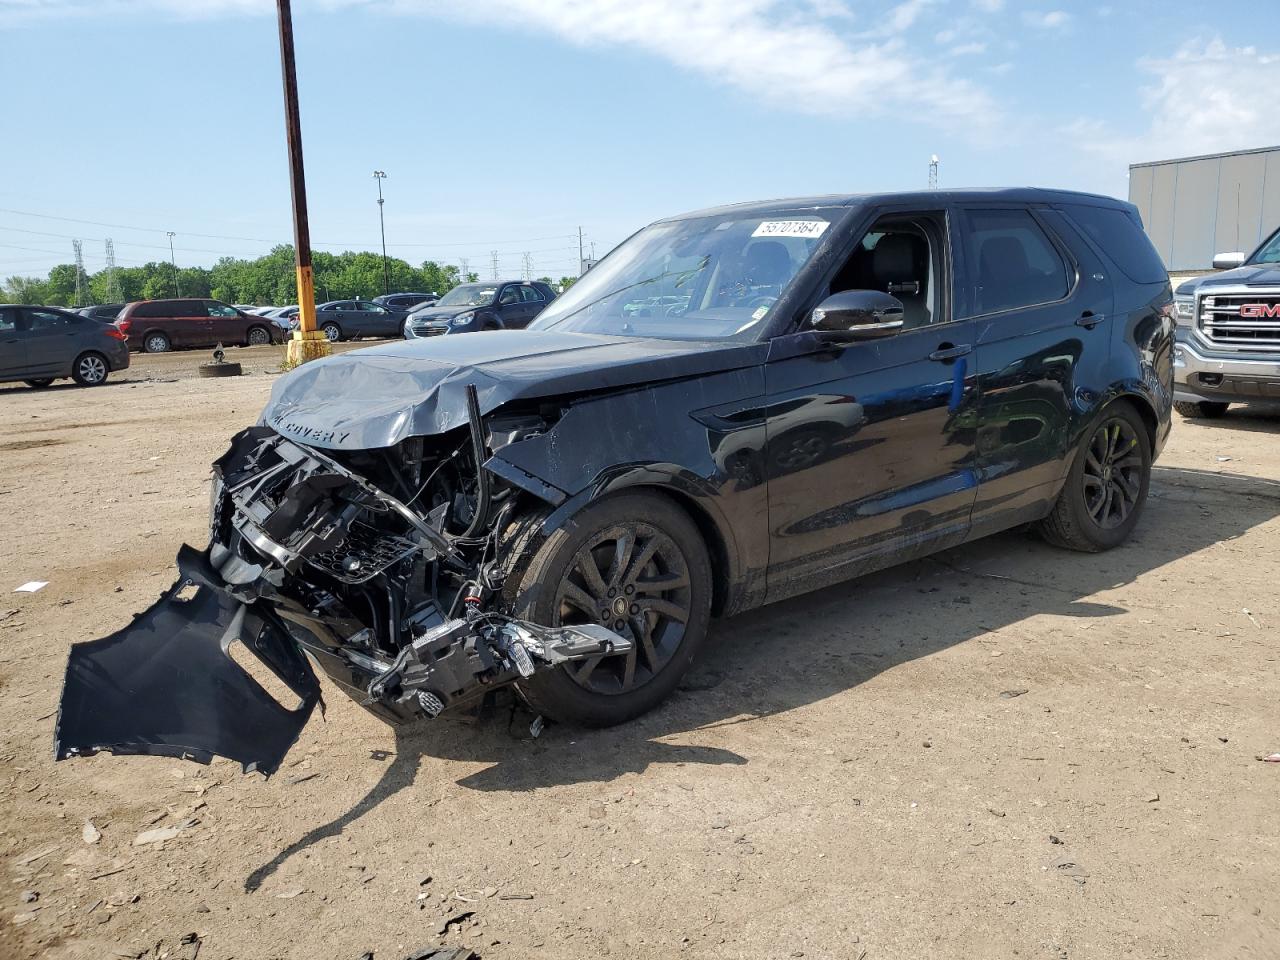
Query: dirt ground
{"x": 1003, "y": 751}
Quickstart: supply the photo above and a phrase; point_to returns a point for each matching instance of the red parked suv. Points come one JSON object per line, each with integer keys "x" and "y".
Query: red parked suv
{"x": 159, "y": 325}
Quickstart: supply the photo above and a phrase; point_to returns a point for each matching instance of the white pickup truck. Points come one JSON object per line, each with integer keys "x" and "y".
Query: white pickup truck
{"x": 1228, "y": 348}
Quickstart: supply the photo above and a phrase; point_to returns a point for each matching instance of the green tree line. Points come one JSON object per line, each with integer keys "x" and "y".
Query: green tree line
{"x": 269, "y": 279}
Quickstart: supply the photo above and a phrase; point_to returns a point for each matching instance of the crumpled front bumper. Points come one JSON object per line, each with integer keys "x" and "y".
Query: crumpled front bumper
{"x": 166, "y": 684}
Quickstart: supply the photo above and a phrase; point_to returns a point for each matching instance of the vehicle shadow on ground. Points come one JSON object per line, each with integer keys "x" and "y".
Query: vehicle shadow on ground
{"x": 772, "y": 660}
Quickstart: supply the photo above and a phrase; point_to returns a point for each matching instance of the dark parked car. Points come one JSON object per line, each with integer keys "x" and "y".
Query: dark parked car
{"x": 42, "y": 344}
{"x": 106, "y": 312}
{"x": 406, "y": 301}
{"x": 353, "y": 319}
{"x": 468, "y": 307}
{"x": 159, "y": 325}
{"x": 843, "y": 383}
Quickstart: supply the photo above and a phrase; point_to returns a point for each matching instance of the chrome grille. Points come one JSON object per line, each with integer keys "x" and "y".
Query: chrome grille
{"x": 1240, "y": 320}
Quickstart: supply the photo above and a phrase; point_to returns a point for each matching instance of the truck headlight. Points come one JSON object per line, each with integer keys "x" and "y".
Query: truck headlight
{"x": 462, "y": 319}
{"x": 1186, "y": 310}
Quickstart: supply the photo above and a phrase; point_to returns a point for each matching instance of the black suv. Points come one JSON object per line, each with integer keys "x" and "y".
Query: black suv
{"x": 732, "y": 407}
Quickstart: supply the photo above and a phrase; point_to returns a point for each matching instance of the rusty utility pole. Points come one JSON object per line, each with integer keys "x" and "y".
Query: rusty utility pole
{"x": 307, "y": 342}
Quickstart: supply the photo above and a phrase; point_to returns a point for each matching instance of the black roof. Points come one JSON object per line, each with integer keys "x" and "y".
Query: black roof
{"x": 922, "y": 197}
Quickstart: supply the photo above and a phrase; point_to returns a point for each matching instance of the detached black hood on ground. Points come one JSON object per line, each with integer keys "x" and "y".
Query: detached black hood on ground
{"x": 382, "y": 395}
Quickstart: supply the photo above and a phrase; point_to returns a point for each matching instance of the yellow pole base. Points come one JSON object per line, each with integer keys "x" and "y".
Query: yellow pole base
{"x": 306, "y": 345}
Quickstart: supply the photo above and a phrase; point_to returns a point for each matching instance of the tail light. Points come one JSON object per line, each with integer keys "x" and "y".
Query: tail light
{"x": 123, "y": 326}
{"x": 115, "y": 331}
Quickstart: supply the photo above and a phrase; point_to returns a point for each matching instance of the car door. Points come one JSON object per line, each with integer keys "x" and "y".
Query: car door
{"x": 226, "y": 324}
{"x": 531, "y": 304}
{"x": 1042, "y": 302}
{"x": 508, "y": 305}
{"x": 51, "y": 342}
{"x": 381, "y": 322}
{"x": 870, "y": 451}
{"x": 187, "y": 324}
{"x": 13, "y": 346}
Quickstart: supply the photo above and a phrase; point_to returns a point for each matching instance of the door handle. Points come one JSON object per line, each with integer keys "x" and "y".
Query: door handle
{"x": 949, "y": 352}
{"x": 1089, "y": 319}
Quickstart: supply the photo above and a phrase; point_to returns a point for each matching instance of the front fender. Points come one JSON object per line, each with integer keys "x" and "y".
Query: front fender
{"x": 699, "y": 439}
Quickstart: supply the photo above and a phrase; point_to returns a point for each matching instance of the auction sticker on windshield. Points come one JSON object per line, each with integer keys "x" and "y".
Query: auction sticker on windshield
{"x": 791, "y": 228}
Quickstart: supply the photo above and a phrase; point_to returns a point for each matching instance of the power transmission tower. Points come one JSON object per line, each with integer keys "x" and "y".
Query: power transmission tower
{"x": 933, "y": 172}
{"x": 494, "y": 255}
{"x": 528, "y": 266}
{"x": 466, "y": 270}
{"x": 75, "y": 245}
{"x": 580, "y": 253}
{"x": 114, "y": 294}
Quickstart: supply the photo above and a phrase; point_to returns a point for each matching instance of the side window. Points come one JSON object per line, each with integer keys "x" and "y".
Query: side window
{"x": 46, "y": 320}
{"x": 190, "y": 308}
{"x": 530, "y": 295}
{"x": 8, "y": 320}
{"x": 1012, "y": 262}
{"x": 509, "y": 295}
{"x": 1119, "y": 234}
{"x": 902, "y": 255}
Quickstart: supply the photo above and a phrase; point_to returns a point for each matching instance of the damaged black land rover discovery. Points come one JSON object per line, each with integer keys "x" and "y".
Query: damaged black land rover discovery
{"x": 734, "y": 406}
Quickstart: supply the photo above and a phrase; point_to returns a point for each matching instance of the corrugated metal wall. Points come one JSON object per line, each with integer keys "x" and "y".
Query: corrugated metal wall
{"x": 1201, "y": 206}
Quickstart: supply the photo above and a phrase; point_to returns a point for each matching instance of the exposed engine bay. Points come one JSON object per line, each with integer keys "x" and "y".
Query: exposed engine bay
{"x": 385, "y": 567}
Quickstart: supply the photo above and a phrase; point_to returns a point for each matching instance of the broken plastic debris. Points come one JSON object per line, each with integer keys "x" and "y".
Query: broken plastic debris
{"x": 1271, "y": 758}
{"x": 537, "y": 726}
{"x": 32, "y": 586}
{"x": 90, "y": 833}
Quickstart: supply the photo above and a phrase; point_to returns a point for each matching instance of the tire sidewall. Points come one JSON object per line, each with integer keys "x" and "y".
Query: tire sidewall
{"x": 337, "y": 331}
{"x": 263, "y": 332}
{"x": 80, "y": 379}
{"x": 1100, "y": 537}
{"x": 553, "y": 692}
{"x": 146, "y": 343}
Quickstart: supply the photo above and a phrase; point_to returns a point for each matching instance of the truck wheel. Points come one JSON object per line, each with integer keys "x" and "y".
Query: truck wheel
{"x": 1202, "y": 409}
{"x": 1106, "y": 487}
{"x": 637, "y": 564}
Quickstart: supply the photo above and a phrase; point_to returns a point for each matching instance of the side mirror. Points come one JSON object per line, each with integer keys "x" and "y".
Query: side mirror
{"x": 1228, "y": 261}
{"x": 858, "y": 315}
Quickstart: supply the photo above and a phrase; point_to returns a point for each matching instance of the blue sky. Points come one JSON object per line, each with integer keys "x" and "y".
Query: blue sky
{"x": 507, "y": 124}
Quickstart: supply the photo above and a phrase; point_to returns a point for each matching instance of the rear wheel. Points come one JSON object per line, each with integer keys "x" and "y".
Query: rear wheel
{"x": 1107, "y": 486}
{"x": 156, "y": 343}
{"x": 38, "y": 384}
{"x": 259, "y": 336}
{"x": 90, "y": 370}
{"x": 636, "y": 564}
{"x": 1205, "y": 409}
{"x": 332, "y": 331}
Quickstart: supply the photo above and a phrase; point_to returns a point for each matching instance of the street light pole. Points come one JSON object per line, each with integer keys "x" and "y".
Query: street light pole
{"x": 174, "y": 262}
{"x": 379, "y": 176}
{"x": 307, "y": 342}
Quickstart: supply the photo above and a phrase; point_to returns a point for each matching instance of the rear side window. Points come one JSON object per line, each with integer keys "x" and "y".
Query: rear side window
{"x": 190, "y": 308}
{"x": 531, "y": 294}
{"x": 1119, "y": 234}
{"x": 8, "y": 319}
{"x": 1015, "y": 262}
{"x": 48, "y": 320}
{"x": 151, "y": 310}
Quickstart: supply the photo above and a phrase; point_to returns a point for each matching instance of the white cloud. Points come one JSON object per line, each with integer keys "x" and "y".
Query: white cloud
{"x": 1203, "y": 99}
{"x": 1046, "y": 20}
{"x": 968, "y": 49}
{"x": 989, "y": 6}
{"x": 801, "y": 57}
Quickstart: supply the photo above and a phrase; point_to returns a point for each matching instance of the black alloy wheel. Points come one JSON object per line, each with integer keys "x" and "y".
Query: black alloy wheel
{"x": 1106, "y": 487}
{"x": 1112, "y": 475}
{"x": 636, "y": 563}
{"x": 632, "y": 579}
{"x": 259, "y": 336}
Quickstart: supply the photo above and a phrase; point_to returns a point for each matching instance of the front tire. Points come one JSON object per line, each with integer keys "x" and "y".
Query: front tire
{"x": 1202, "y": 409}
{"x": 636, "y": 563}
{"x": 259, "y": 336}
{"x": 332, "y": 331}
{"x": 90, "y": 370}
{"x": 1106, "y": 487}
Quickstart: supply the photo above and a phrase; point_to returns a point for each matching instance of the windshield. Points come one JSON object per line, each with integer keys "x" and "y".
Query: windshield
{"x": 469, "y": 295}
{"x": 692, "y": 279}
{"x": 1269, "y": 252}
